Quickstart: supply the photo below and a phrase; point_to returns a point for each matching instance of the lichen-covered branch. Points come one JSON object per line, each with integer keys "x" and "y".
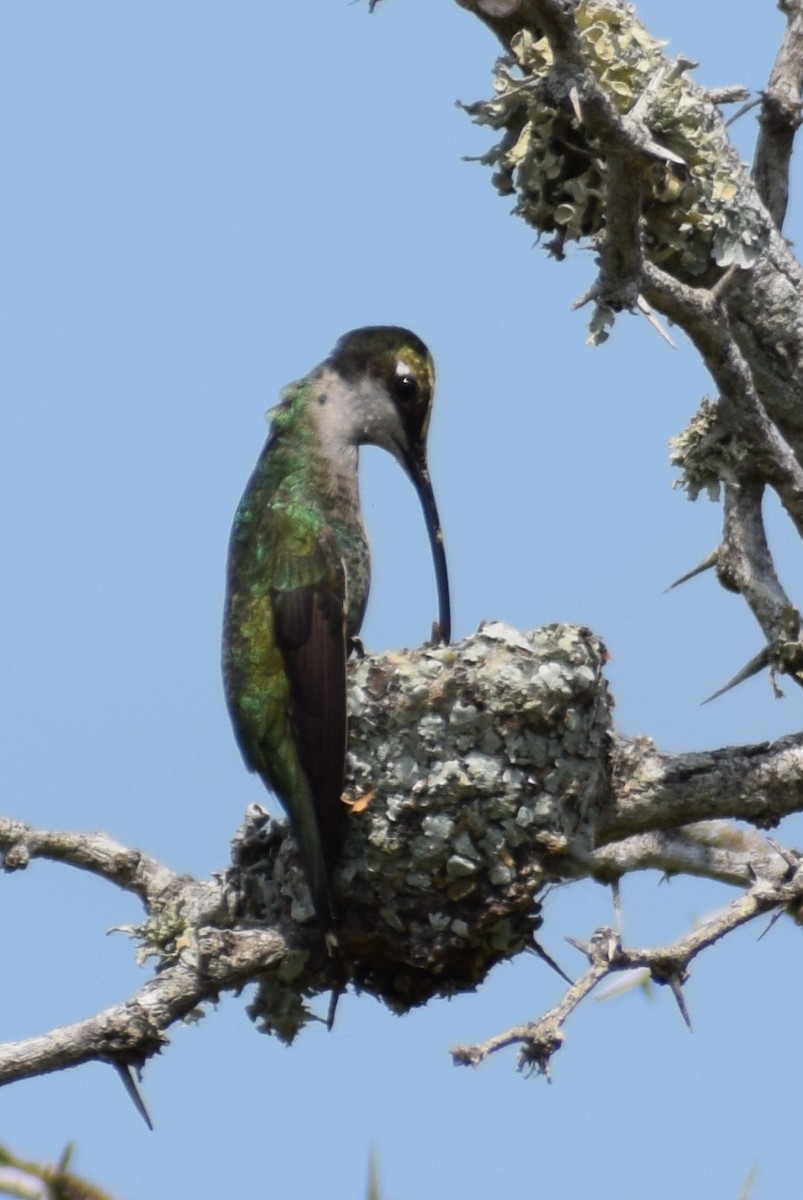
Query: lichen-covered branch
{"x": 129, "y": 1033}
{"x": 607, "y": 140}
{"x": 188, "y": 928}
{"x": 760, "y": 784}
{"x": 479, "y": 775}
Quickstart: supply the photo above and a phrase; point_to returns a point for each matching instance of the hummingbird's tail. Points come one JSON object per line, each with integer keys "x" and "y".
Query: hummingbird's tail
{"x": 317, "y": 836}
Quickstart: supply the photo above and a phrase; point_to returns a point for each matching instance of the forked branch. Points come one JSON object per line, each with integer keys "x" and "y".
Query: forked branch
{"x": 667, "y": 965}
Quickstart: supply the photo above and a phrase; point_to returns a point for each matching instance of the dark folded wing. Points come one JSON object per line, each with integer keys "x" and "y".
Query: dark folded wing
{"x": 310, "y": 632}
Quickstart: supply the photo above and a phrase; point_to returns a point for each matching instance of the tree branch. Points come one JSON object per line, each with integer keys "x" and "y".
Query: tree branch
{"x": 606, "y": 139}
{"x": 540, "y": 1039}
{"x": 479, "y": 774}
{"x": 708, "y": 849}
{"x": 652, "y": 791}
{"x": 780, "y": 116}
{"x": 96, "y": 853}
{"x": 131, "y": 1032}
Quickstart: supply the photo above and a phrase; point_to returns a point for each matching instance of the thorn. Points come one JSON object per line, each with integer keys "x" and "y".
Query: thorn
{"x": 720, "y": 286}
{"x": 337, "y": 992}
{"x": 677, "y": 991}
{"x": 537, "y": 949}
{"x": 129, "y": 1083}
{"x": 373, "y": 1175}
{"x": 755, "y": 665}
{"x": 586, "y": 298}
{"x": 617, "y": 905}
{"x": 706, "y": 565}
{"x": 644, "y": 308}
{"x": 776, "y": 916}
{"x": 639, "y": 108}
{"x": 574, "y": 98}
{"x": 744, "y": 109}
{"x": 748, "y": 1187}
{"x": 64, "y": 1159}
{"x": 659, "y": 151}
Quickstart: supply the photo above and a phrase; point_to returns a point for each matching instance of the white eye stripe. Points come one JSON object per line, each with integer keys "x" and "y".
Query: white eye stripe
{"x": 403, "y": 368}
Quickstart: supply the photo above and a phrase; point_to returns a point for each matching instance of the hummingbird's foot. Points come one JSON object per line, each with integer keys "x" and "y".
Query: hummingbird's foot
{"x": 437, "y": 637}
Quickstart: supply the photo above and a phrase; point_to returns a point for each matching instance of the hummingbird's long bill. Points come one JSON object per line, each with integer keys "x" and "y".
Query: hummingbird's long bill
{"x": 419, "y": 474}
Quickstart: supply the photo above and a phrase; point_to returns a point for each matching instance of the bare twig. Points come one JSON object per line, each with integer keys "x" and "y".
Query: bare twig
{"x": 709, "y": 849}
{"x": 539, "y": 1040}
{"x": 730, "y": 94}
{"x": 706, "y": 320}
{"x": 96, "y": 853}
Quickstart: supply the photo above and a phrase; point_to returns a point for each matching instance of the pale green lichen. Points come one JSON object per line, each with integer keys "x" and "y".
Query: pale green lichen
{"x": 695, "y": 214}
{"x": 707, "y": 454}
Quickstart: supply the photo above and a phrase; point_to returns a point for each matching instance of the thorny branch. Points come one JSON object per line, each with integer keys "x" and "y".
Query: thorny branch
{"x": 197, "y": 965}
{"x": 669, "y": 965}
{"x": 500, "y": 771}
{"x": 618, "y": 166}
{"x": 708, "y": 849}
{"x": 481, "y": 773}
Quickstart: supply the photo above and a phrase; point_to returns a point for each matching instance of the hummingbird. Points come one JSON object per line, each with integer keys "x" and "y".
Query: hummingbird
{"x": 299, "y": 575}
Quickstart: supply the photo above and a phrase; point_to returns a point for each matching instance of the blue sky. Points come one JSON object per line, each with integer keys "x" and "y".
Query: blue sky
{"x": 198, "y": 200}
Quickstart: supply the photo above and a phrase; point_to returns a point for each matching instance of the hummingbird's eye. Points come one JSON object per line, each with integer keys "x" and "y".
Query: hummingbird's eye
{"x": 405, "y": 387}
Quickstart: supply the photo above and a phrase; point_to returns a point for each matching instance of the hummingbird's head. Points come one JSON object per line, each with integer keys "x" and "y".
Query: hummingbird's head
{"x": 389, "y": 377}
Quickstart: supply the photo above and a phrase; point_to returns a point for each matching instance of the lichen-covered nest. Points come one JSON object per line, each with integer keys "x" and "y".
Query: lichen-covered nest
{"x": 468, "y": 766}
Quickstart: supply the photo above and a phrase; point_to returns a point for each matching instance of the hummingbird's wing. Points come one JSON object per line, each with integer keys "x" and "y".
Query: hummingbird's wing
{"x": 310, "y": 633}
{"x": 285, "y": 668}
